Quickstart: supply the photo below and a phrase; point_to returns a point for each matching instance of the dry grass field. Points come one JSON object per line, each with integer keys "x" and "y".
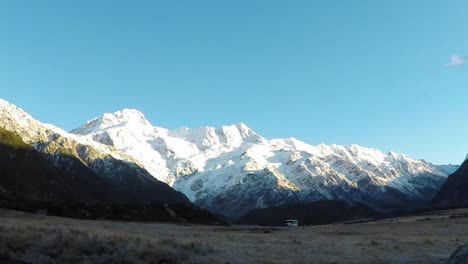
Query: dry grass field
{"x": 38, "y": 239}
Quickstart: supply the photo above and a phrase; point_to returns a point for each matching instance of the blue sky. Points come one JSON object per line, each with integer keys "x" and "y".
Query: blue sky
{"x": 386, "y": 74}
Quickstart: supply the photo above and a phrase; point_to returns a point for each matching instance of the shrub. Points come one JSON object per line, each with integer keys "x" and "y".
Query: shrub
{"x": 35, "y": 243}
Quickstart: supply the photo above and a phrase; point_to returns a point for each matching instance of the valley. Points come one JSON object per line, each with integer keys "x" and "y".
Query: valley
{"x": 428, "y": 238}
{"x": 233, "y": 132}
{"x": 151, "y": 195}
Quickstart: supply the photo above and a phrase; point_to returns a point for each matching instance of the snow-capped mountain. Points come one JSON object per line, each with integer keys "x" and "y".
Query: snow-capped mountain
{"x": 232, "y": 169}
{"x": 121, "y": 177}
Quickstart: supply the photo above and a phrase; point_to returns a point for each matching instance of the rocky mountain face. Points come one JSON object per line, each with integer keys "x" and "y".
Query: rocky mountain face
{"x": 232, "y": 169}
{"x": 454, "y": 193}
{"x": 88, "y": 165}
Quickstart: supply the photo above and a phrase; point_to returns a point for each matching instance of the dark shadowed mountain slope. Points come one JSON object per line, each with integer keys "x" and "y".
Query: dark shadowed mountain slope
{"x": 63, "y": 176}
{"x": 25, "y": 171}
{"x": 314, "y": 213}
{"x": 454, "y": 193}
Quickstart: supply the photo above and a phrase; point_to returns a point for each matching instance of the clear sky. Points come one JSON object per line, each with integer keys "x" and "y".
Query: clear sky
{"x": 386, "y": 74}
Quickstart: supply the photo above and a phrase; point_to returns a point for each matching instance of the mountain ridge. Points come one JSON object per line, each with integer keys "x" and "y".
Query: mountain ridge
{"x": 27, "y": 173}
{"x": 80, "y": 157}
{"x": 214, "y": 166}
{"x": 454, "y": 192}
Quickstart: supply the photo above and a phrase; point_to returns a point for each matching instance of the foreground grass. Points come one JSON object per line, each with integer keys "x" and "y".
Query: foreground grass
{"x": 35, "y": 239}
{"x": 49, "y": 244}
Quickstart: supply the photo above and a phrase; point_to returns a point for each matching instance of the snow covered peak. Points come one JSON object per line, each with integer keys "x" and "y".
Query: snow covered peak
{"x": 7, "y": 106}
{"x": 126, "y": 115}
{"x": 238, "y": 132}
{"x": 212, "y": 138}
{"x": 3, "y": 103}
{"x": 244, "y": 130}
{"x": 130, "y": 118}
{"x": 34, "y": 132}
{"x": 17, "y": 120}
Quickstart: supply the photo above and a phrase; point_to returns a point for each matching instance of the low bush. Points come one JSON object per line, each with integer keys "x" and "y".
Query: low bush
{"x": 40, "y": 244}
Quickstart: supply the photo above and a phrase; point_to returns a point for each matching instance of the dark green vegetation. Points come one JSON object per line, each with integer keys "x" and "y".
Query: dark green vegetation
{"x": 454, "y": 193}
{"x": 174, "y": 213}
{"x": 31, "y": 182}
{"x": 314, "y": 213}
{"x": 9, "y": 139}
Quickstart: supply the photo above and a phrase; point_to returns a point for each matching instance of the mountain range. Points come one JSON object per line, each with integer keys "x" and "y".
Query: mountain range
{"x": 232, "y": 169}
{"x": 229, "y": 170}
{"x": 85, "y": 165}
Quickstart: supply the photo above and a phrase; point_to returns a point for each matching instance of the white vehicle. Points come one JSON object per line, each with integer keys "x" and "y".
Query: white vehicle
{"x": 291, "y": 222}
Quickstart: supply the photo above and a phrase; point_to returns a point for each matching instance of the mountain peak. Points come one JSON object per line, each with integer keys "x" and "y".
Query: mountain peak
{"x": 3, "y": 102}
{"x": 17, "y": 120}
{"x": 239, "y": 128}
{"x": 242, "y": 126}
{"x": 129, "y": 112}
{"x": 223, "y": 137}
{"x": 7, "y": 105}
{"x": 124, "y": 117}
